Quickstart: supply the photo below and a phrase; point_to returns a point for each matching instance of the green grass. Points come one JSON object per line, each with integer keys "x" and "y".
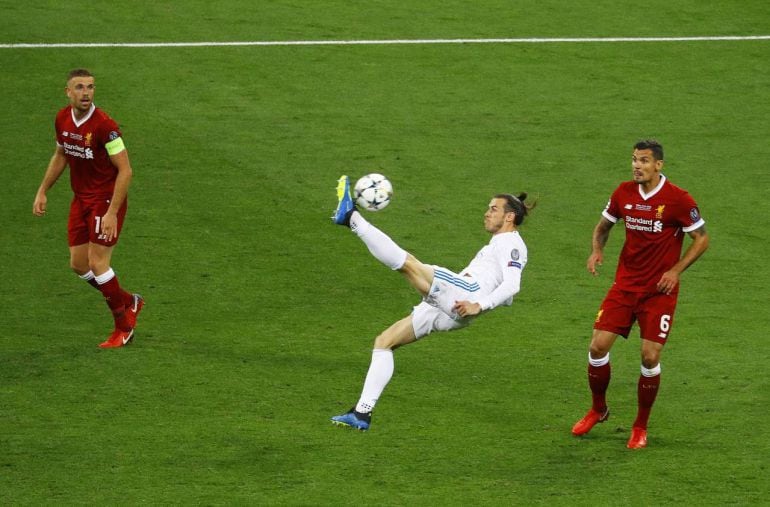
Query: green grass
{"x": 260, "y": 314}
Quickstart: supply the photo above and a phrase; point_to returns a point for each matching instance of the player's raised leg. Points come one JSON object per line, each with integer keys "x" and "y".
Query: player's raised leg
{"x": 379, "y": 244}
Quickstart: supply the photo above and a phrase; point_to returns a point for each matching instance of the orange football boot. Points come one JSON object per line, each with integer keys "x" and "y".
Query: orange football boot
{"x": 638, "y": 438}
{"x": 117, "y": 339}
{"x": 591, "y": 419}
{"x": 132, "y": 310}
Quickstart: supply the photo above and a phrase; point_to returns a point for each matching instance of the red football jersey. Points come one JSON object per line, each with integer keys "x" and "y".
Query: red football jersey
{"x": 92, "y": 174}
{"x": 655, "y": 226}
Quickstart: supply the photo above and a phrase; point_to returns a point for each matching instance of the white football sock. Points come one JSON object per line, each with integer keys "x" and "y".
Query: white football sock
{"x": 105, "y": 277}
{"x": 380, "y": 372}
{"x": 652, "y": 372}
{"x": 88, "y": 276}
{"x": 379, "y": 244}
{"x": 598, "y": 362}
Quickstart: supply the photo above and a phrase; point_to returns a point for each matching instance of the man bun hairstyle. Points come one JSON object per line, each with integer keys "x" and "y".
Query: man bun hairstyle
{"x": 517, "y": 205}
{"x": 652, "y": 145}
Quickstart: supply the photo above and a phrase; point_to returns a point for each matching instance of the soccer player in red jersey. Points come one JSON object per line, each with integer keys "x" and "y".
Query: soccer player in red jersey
{"x": 657, "y": 214}
{"x": 90, "y": 142}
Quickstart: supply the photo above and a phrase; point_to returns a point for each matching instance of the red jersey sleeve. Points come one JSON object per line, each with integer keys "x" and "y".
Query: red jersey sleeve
{"x": 107, "y": 131}
{"x": 612, "y": 211}
{"x": 687, "y": 213}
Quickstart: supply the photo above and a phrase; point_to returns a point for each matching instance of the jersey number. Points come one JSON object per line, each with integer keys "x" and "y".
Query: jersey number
{"x": 98, "y": 228}
{"x": 665, "y": 325}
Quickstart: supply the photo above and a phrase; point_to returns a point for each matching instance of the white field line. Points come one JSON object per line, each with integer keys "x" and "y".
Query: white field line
{"x": 24, "y": 45}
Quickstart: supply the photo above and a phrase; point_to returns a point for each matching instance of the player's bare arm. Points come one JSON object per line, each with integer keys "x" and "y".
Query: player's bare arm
{"x": 55, "y": 169}
{"x": 110, "y": 219}
{"x": 599, "y": 239}
{"x": 700, "y": 242}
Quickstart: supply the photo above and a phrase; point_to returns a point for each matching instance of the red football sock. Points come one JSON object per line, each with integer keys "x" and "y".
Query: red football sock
{"x": 647, "y": 390}
{"x": 117, "y": 299}
{"x": 598, "y": 380}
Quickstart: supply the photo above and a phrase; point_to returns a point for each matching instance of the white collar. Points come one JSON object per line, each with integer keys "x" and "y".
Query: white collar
{"x": 499, "y": 236}
{"x": 87, "y": 117}
{"x": 654, "y": 190}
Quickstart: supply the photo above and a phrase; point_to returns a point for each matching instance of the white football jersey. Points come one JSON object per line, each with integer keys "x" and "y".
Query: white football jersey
{"x": 497, "y": 269}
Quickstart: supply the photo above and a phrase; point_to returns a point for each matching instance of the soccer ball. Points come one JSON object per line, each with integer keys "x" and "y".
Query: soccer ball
{"x": 373, "y": 192}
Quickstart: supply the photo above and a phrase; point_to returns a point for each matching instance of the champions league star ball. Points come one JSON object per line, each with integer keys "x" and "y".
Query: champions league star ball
{"x": 373, "y": 192}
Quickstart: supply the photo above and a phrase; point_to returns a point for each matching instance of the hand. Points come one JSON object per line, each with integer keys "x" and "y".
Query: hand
{"x": 668, "y": 282}
{"x": 594, "y": 260}
{"x": 466, "y": 308}
{"x": 110, "y": 226}
{"x": 38, "y": 207}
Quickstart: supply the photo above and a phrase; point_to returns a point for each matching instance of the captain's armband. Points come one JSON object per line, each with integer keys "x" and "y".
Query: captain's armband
{"x": 115, "y": 146}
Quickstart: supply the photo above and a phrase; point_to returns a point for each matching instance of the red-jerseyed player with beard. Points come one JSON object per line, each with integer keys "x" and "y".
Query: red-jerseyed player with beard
{"x": 90, "y": 142}
{"x": 656, "y": 214}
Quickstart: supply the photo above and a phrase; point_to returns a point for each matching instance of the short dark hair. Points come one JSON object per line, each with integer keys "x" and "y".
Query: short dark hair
{"x": 79, "y": 73}
{"x": 652, "y": 145}
{"x": 516, "y": 205}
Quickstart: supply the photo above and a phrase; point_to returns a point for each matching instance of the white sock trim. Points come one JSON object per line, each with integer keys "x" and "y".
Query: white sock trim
{"x": 105, "y": 277}
{"x": 598, "y": 362}
{"x": 88, "y": 276}
{"x": 402, "y": 260}
{"x": 652, "y": 372}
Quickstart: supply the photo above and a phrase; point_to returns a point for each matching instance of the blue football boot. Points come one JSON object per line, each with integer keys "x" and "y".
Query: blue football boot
{"x": 345, "y": 204}
{"x": 353, "y": 419}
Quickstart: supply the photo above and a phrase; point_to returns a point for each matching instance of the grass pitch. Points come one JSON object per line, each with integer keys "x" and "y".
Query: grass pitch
{"x": 260, "y": 314}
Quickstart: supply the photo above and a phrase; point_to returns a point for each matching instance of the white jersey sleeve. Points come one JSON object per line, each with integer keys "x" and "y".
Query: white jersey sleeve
{"x": 510, "y": 257}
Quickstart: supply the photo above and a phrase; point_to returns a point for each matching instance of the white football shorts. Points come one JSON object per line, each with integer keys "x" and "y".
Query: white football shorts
{"x": 436, "y": 312}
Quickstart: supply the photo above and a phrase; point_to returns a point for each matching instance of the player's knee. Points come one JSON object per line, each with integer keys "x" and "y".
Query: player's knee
{"x": 98, "y": 263}
{"x": 598, "y": 350}
{"x": 650, "y": 354}
{"x": 420, "y": 275}
{"x": 601, "y": 343}
{"x": 98, "y": 267}
{"x": 80, "y": 268}
{"x": 79, "y": 271}
{"x": 396, "y": 335}
{"x": 409, "y": 265}
{"x": 382, "y": 342}
{"x": 650, "y": 361}
{"x": 389, "y": 339}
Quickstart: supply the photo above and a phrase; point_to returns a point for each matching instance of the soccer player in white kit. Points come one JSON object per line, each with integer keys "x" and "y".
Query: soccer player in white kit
{"x": 449, "y": 300}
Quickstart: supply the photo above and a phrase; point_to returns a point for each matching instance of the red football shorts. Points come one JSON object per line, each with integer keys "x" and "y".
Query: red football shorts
{"x": 85, "y": 221}
{"x": 653, "y": 310}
